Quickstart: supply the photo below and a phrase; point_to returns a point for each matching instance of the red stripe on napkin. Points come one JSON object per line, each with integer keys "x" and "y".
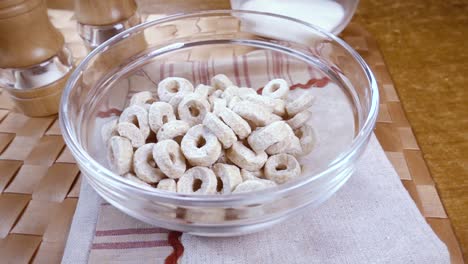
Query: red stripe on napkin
{"x": 131, "y": 231}
{"x": 127, "y": 245}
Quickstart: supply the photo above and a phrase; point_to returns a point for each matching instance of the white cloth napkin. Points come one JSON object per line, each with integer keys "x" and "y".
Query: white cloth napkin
{"x": 372, "y": 219}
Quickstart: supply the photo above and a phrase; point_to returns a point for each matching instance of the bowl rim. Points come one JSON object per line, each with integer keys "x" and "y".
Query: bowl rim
{"x": 82, "y": 157}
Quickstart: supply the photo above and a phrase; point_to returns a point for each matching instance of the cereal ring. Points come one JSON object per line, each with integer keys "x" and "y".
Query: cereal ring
{"x": 301, "y": 103}
{"x": 264, "y": 137}
{"x": 175, "y": 130}
{"x": 130, "y": 131}
{"x": 253, "y": 185}
{"x": 109, "y": 129}
{"x": 200, "y": 146}
{"x": 223, "y": 132}
{"x": 276, "y": 106}
{"x": 307, "y": 139}
{"x": 135, "y": 179}
{"x": 169, "y": 158}
{"x": 176, "y": 99}
{"x": 204, "y": 90}
{"x": 258, "y": 115}
{"x": 299, "y": 119}
{"x": 142, "y": 98}
{"x": 222, "y": 158}
{"x": 281, "y": 168}
{"x": 218, "y": 105}
{"x": 220, "y": 82}
{"x": 120, "y": 154}
{"x": 138, "y": 116}
{"x": 233, "y": 91}
{"x": 170, "y": 86}
{"x": 197, "y": 180}
{"x": 246, "y": 158}
{"x": 234, "y": 100}
{"x": 169, "y": 185}
{"x": 216, "y": 94}
{"x": 144, "y": 164}
{"x": 230, "y": 92}
{"x": 229, "y": 175}
{"x": 266, "y": 102}
{"x": 289, "y": 145}
{"x": 159, "y": 114}
{"x": 235, "y": 122}
{"x": 252, "y": 175}
{"x": 276, "y": 88}
{"x": 280, "y": 107}
{"x": 192, "y": 109}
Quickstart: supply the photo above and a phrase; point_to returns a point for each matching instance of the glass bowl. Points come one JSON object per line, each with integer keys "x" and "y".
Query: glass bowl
{"x": 331, "y": 15}
{"x": 197, "y": 46}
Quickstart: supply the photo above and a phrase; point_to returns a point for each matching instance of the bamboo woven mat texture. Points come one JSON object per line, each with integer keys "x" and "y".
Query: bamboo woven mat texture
{"x": 39, "y": 180}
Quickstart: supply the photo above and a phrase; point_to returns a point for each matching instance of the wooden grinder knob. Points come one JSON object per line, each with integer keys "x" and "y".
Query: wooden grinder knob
{"x": 26, "y": 35}
{"x": 100, "y": 20}
{"x": 32, "y": 57}
{"x": 100, "y": 13}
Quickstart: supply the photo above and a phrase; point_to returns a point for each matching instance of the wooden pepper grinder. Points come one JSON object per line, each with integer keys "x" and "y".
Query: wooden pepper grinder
{"x": 34, "y": 64}
{"x": 100, "y": 20}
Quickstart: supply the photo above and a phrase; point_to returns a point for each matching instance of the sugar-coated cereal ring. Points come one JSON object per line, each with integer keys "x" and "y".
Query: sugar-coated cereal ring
{"x": 215, "y": 95}
{"x": 175, "y": 130}
{"x": 252, "y": 175}
{"x": 197, "y": 180}
{"x": 307, "y": 139}
{"x": 299, "y": 119}
{"x": 137, "y": 115}
{"x": 132, "y": 177}
{"x": 169, "y": 158}
{"x": 229, "y": 175}
{"x": 130, "y": 131}
{"x": 258, "y": 115}
{"x": 145, "y": 166}
{"x": 177, "y": 98}
{"x": 222, "y": 131}
{"x": 109, "y": 129}
{"x": 120, "y": 154}
{"x": 192, "y": 109}
{"x": 264, "y": 137}
{"x": 246, "y": 158}
{"x": 204, "y": 90}
{"x": 281, "y": 168}
{"x": 266, "y": 102}
{"x": 235, "y": 122}
{"x": 142, "y": 98}
{"x": 233, "y": 91}
{"x": 169, "y": 185}
{"x": 218, "y": 105}
{"x": 170, "y": 86}
{"x": 277, "y": 88}
{"x": 159, "y": 114}
{"x": 234, "y": 100}
{"x": 301, "y": 103}
{"x": 220, "y": 82}
{"x": 289, "y": 145}
{"x": 200, "y": 146}
{"x": 253, "y": 185}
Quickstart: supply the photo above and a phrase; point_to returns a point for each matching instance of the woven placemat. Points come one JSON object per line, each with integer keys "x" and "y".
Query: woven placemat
{"x": 39, "y": 180}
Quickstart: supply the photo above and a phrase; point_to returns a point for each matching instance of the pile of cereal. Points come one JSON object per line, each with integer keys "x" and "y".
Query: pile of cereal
{"x": 216, "y": 138}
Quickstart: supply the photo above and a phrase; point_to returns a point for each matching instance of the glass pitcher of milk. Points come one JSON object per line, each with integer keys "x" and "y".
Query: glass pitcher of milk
{"x": 330, "y": 15}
